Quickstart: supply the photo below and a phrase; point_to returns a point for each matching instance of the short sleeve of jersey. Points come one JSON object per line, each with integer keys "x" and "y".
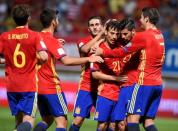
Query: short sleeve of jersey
{"x": 138, "y": 42}
{"x": 1, "y": 44}
{"x": 57, "y": 50}
{"x": 94, "y": 67}
{"x": 80, "y": 43}
{"x": 83, "y": 41}
{"x": 40, "y": 44}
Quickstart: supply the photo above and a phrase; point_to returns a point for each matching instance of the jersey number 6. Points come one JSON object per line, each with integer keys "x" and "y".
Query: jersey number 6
{"x": 17, "y": 55}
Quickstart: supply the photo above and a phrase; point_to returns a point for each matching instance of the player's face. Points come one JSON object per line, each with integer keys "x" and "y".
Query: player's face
{"x": 126, "y": 35}
{"x": 95, "y": 26}
{"x": 143, "y": 21}
{"x": 112, "y": 36}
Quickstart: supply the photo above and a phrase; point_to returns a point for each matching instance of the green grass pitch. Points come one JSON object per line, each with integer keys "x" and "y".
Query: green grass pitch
{"x": 7, "y": 122}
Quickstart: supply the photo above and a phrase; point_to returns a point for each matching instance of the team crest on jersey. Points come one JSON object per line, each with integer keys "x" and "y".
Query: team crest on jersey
{"x": 77, "y": 110}
{"x": 96, "y": 114}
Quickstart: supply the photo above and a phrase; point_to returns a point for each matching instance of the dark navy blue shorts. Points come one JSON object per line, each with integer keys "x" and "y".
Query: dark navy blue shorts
{"x": 84, "y": 102}
{"x": 25, "y": 102}
{"x": 52, "y": 104}
{"x": 145, "y": 100}
{"x": 120, "y": 111}
{"x": 105, "y": 109}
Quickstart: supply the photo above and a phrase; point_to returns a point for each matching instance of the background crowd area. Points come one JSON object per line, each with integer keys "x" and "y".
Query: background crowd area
{"x": 75, "y": 13}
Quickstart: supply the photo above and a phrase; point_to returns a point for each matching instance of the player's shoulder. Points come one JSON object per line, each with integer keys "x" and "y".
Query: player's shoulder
{"x": 152, "y": 34}
{"x": 140, "y": 36}
{"x": 103, "y": 45}
{"x": 156, "y": 32}
{"x": 4, "y": 34}
{"x": 33, "y": 33}
{"x": 82, "y": 41}
{"x": 85, "y": 39}
{"x": 47, "y": 36}
{"x": 148, "y": 33}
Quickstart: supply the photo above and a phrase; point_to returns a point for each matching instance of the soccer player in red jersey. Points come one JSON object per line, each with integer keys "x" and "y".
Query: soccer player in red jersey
{"x": 129, "y": 65}
{"x": 107, "y": 74}
{"x": 51, "y": 99}
{"x": 87, "y": 94}
{"x": 19, "y": 47}
{"x": 148, "y": 88}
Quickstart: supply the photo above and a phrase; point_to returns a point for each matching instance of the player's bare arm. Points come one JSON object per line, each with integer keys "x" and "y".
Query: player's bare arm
{"x": 96, "y": 45}
{"x": 66, "y": 60}
{"x": 101, "y": 76}
{"x": 99, "y": 51}
{"x": 86, "y": 48}
{"x": 42, "y": 56}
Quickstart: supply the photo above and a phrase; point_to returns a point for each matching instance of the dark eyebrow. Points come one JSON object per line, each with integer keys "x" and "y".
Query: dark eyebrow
{"x": 124, "y": 33}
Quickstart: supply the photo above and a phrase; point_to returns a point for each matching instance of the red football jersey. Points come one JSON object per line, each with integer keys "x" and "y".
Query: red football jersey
{"x": 151, "y": 45}
{"x": 86, "y": 83}
{"x": 19, "y": 47}
{"x": 129, "y": 66}
{"x": 111, "y": 66}
{"x": 49, "y": 82}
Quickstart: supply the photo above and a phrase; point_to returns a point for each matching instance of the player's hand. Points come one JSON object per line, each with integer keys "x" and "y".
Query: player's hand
{"x": 122, "y": 78}
{"x": 96, "y": 45}
{"x": 99, "y": 51}
{"x": 62, "y": 41}
{"x": 94, "y": 58}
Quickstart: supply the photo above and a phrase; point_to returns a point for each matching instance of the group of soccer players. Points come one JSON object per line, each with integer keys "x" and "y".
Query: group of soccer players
{"x": 121, "y": 73}
{"x": 129, "y": 84}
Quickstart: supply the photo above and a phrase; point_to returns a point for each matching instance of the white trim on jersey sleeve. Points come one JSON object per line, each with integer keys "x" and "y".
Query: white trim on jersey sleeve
{"x": 91, "y": 65}
{"x": 81, "y": 44}
{"x": 43, "y": 44}
{"x": 61, "y": 51}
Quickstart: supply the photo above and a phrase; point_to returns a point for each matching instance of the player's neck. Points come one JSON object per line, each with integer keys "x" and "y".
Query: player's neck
{"x": 109, "y": 46}
{"x": 150, "y": 26}
{"x": 23, "y": 26}
{"x": 50, "y": 30}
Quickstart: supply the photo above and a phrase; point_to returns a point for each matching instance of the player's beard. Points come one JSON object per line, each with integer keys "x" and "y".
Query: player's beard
{"x": 123, "y": 42}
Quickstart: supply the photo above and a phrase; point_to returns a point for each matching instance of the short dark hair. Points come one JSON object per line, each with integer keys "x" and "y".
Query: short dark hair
{"x": 20, "y": 14}
{"x": 95, "y": 17}
{"x": 46, "y": 17}
{"x": 152, "y": 14}
{"x": 127, "y": 23}
{"x": 112, "y": 24}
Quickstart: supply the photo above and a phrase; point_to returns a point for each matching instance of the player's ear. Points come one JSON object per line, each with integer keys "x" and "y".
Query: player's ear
{"x": 29, "y": 18}
{"x": 147, "y": 19}
{"x": 133, "y": 31}
{"x": 105, "y": 32}
{"x": 53, "y": 22}
{"x": 89, "y": 30}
